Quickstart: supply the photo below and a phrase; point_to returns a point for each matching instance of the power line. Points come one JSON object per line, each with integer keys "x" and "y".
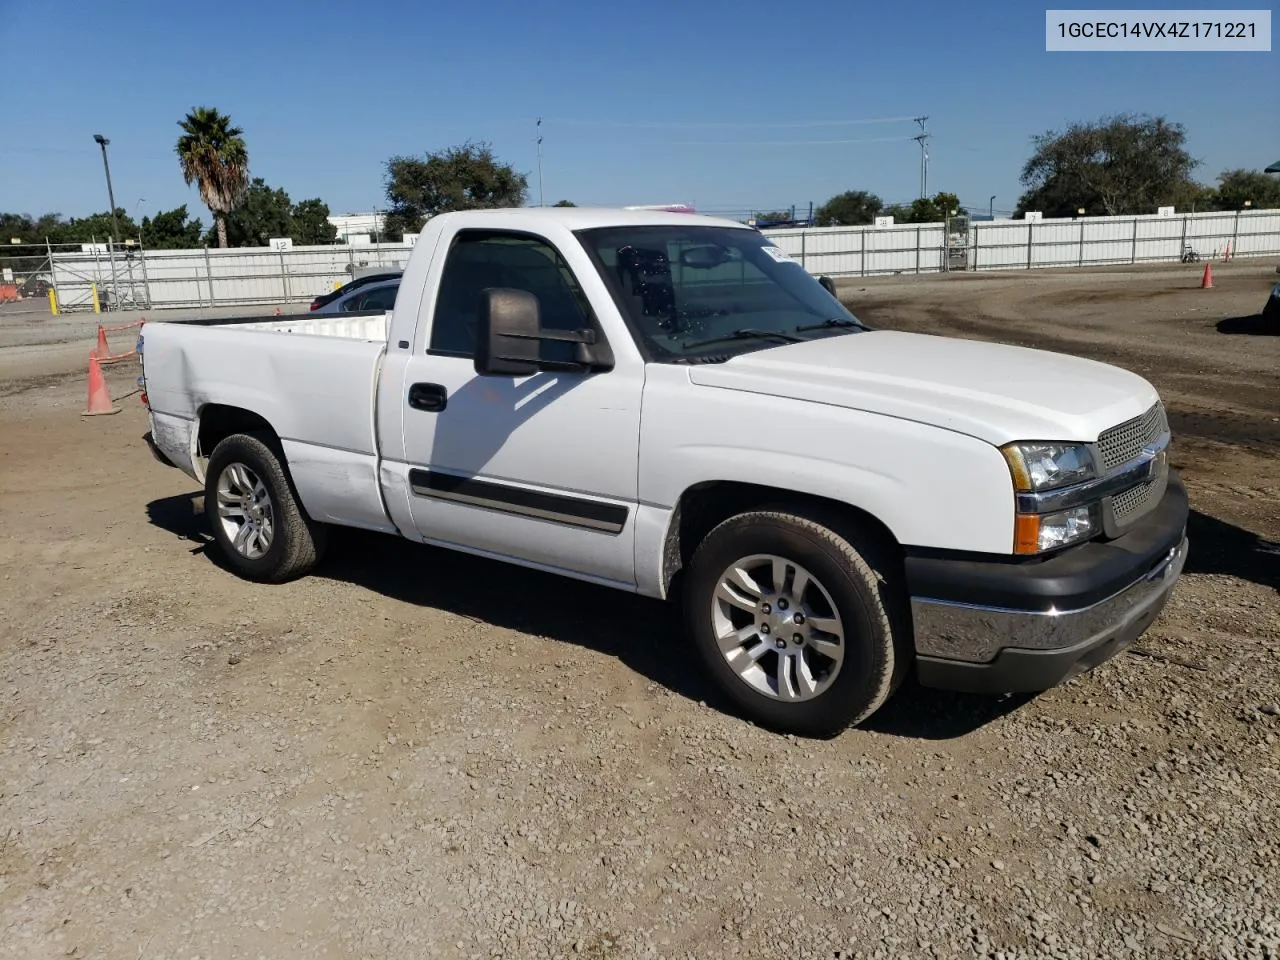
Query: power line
{"x": 685, "y": 125}
{"x": 67, "y": 150}
{"x": 782, "y": 143}
{"x": 541, "y": 198}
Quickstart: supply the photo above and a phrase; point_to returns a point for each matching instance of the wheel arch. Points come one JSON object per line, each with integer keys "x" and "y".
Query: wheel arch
{"x": 216, "y": 422}
{"x": 705, "y": 505}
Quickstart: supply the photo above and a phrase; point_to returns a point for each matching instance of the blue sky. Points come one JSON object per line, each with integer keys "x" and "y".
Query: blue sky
{"x": 698, "y": 101}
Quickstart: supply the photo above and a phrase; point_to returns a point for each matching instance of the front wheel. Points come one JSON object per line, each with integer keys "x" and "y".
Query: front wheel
{"x": 793, "y": 622}
{"x": 257, "y": 521}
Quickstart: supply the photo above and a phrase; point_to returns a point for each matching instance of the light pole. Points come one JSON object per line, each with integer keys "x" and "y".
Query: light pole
{"x": 111, "y": 197}
{"x": 991, "y": 207}
{"x": 115, "y": 222}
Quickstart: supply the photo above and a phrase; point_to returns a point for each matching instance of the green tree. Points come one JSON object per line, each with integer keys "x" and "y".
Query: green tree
{"x": 1125, "y": 164}
{"x": 945, "y": 203}
{"x": 922, "y": 210}
{"x": 467, "y": 177}
{"x": 213, "y": 155}
{"x": 171, "y": 230}
{"x": 1194, "y": 198}
{"x": 848, "y": 209}
{"x": 1237, "y": 186}
{"x": 390, "y": 232}
{"x": 267, "y": 212}
{"x": 311, "y": 223}
{"x": 95, "y": 228}
{"x": 263, "y": 213}
{"x": 564, "y": 203}
{"x": 17, "y": 226}
{"x": 28, "y": 254}
{"x": 771, "y": 215}
{"x": 935, "y": 209}
{"x": 901, "y": 212}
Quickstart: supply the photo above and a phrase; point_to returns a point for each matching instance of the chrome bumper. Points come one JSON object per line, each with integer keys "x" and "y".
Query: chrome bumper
{"x": 978, "y": 635}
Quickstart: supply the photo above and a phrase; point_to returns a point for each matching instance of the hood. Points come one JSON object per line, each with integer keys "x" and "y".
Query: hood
{"x": 994, "y": 392}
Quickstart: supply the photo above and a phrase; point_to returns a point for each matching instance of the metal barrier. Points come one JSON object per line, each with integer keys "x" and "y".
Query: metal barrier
{"x": 129, "y": 276}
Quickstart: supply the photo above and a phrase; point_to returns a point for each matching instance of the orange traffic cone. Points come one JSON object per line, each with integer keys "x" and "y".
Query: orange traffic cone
{"x": 1206, "y": 281}
{"x": 1226, "y": 254}
{"x": 101, "y": 351}
{"x": 278, "y": 313}
{"x": 99, "y": 398}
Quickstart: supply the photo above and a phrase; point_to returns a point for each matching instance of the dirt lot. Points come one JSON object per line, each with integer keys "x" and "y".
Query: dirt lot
{"x": 416, "y": 754}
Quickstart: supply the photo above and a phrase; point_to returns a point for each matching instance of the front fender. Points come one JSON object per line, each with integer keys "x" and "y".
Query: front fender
{"x": 929, "y": 486}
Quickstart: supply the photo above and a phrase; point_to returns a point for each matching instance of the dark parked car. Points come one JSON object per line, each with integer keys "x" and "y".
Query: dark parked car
{"x": 371, "y": 296}
{"x": 355, "y": 284}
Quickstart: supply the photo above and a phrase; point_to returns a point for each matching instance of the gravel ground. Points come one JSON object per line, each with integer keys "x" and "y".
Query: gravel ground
{"x": 418, "y": 754}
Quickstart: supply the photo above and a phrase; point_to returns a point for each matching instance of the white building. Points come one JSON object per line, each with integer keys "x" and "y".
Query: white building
{"x": 358, "y": 227}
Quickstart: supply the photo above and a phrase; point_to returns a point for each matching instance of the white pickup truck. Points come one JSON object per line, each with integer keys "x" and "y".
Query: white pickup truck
{"x": 668, "y": 404}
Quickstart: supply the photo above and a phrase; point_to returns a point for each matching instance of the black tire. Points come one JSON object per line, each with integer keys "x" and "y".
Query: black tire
{"x": 876, "y": 652}
{"x": 297, "y": 541}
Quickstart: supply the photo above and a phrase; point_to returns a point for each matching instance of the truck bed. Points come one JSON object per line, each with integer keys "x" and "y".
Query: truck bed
{"x": 344, "y": 325}
{"x": 311, "y": 378}
{"x": 368, "y": 325}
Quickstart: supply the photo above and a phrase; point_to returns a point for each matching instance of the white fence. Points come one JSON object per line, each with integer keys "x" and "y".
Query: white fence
{"x": 202, "y": 278}
{"x": 208, "y": 278}
{"x": 1027, "y": 244}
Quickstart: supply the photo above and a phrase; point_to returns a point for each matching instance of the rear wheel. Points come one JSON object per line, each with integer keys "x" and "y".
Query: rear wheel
{"x": 257, "y": 521}
{"x": 793, "y": 622}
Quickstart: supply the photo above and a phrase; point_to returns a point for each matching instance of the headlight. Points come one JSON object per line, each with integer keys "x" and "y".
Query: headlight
{"x": 1038, "y": 532}
{"x": 1037, "y": 467}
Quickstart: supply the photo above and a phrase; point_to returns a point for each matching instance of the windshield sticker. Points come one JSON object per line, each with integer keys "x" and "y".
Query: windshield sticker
{"x": 777, "y": 253}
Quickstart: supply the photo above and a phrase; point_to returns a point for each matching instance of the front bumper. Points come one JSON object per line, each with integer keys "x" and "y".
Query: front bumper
{"x": 994, "y": 626}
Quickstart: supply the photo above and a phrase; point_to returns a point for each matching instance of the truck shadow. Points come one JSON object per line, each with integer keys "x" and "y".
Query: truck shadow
{"x": 1218, "y": 547}
{"x": 1256, "y": 325}
{"x": 645, "y": 635}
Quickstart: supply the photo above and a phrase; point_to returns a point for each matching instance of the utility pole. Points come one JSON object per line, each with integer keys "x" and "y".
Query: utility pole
{"x": 924, "y": 156}
{"x": 541, "y": 198}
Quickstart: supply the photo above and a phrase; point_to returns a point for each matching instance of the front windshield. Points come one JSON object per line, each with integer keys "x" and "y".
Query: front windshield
{"x": 701, "y": 292}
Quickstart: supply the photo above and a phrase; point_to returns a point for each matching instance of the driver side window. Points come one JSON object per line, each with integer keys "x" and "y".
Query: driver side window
{"x": 479, "y": 260}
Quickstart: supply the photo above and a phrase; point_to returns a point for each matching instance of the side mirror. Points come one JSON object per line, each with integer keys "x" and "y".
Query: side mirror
{"x": 510, "y": 336}
{"x": 507, "y": 339}
{"x": 828, "y": 284}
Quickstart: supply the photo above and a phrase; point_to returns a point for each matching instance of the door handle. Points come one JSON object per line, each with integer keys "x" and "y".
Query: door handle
{"x": 428, "y": 396}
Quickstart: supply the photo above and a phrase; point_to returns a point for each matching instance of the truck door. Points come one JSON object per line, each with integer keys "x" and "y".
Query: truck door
{"x": 540, "y": 468}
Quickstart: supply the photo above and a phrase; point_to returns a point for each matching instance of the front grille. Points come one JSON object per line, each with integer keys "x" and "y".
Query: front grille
{"x": 1122, "y": 443}
{"x": 1134, "y": 500}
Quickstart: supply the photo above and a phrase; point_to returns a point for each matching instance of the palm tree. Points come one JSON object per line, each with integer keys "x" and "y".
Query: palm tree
{"x": 213, "y": 155}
